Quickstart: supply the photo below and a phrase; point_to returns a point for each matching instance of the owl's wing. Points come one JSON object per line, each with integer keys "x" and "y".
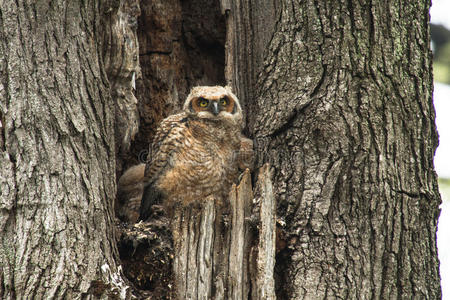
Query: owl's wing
{"x": 167, "y": 141}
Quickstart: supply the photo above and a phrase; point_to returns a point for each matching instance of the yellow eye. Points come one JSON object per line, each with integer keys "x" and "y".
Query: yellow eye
{"x": 224, "y": 101}
{"x": 203, "y": 102}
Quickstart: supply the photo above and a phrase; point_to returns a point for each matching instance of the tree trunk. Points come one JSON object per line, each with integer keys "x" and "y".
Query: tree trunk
{"x": 339, "y": 102}
{"x": 57, "y": 182}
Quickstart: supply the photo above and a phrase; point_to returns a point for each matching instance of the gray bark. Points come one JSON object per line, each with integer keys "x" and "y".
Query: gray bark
{"x": 57, "y": 179}
{"x": 339, "y": 96}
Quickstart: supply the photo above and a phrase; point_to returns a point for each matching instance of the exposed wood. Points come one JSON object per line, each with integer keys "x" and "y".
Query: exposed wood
{"x": 121, "y": 63}
{"x": 250, "y": 26}
{"x": 193, "y": 240}
{"x": 263, "y": 285}
{"x": 241, "y": 202}
{"x": 212, "y": 246}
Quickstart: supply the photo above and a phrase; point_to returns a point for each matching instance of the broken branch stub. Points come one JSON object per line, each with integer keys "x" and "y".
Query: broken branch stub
{"x": 217, "y": 254}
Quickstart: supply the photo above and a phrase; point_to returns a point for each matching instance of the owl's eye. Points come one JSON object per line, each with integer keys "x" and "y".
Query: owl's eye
{"x": 224, "y": 101}
{"x": 202, "y": 102}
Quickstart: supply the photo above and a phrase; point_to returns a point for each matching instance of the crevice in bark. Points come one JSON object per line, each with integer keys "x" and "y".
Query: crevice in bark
{"x": 147, "y": 257}
{"x": 283, "y": 262}
{"x": 155, "y": 52}
{"x": 321, "y": 81}
{"x": 181, "y": 45}
{"x": 291, "y": 120}
{"x": 2, "y": 133}
{"x": 121, "y": 64}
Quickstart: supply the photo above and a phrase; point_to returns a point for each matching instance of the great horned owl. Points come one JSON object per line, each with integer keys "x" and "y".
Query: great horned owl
{"x": 195, "y": 153}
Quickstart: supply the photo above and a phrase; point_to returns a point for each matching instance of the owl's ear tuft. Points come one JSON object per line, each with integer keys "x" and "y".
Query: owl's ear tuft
{"x": 228, "y": 89}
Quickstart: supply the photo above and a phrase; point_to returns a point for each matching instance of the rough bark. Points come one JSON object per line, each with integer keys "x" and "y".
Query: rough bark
{"x": 339, "y": 95}
{"x": 57, "y": 182}
{"x": 338, "y": 101}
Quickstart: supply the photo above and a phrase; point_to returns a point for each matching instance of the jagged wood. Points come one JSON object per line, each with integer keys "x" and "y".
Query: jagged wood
{"x": 262, "y": 274}
{"x": 212, "y": 245}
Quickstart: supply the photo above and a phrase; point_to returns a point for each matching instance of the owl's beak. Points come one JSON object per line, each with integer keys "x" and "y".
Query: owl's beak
{"x": 215, "y": 108}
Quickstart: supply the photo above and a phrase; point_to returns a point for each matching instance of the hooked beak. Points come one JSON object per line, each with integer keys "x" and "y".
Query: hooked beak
{"x": 215, "y": 108}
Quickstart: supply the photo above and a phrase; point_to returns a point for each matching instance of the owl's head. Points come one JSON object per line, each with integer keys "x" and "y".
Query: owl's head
{"x": 214, "y": 103}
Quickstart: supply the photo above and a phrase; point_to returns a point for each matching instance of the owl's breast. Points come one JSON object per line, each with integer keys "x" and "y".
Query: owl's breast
{"x": 202, "y": 166}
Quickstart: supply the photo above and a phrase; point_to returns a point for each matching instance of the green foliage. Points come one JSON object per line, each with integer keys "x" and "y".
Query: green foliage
{"x": 441, "y": 64}
{"x": 444, "y": 54}
{"x": 444, "y": 188}
{"x": 441, "y": 73}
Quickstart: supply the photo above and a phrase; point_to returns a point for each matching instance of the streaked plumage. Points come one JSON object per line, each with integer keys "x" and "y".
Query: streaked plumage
{"x": 195, "y": 153}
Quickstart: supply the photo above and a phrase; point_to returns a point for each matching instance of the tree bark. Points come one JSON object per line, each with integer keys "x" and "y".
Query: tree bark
{"x": 57, "y": 182}
{"x": 339, "y": 102}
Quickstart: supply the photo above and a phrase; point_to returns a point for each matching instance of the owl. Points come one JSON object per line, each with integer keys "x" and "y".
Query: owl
{"x": 195, "y": 153}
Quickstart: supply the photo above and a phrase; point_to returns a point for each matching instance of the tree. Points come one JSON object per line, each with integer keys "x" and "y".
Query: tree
{"x": 338, "y": 101}
{"x": 58, "y": 148}
{"x": 340, "y": 96}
